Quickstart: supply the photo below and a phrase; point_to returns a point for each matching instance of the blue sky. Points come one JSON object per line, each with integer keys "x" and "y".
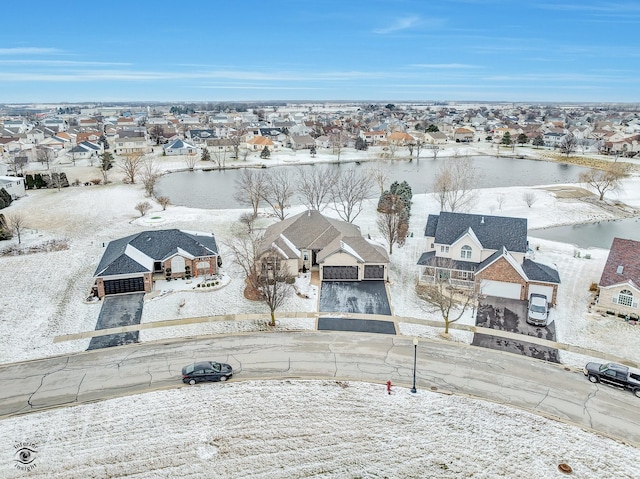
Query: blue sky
{"x": 392, "y": 50}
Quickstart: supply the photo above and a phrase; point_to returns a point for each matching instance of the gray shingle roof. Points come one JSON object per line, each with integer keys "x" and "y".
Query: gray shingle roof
{"x": 492, "y": 231}
{"x": 158, "y": 245}
{"x": 430, "y": 259}
{"x": 540, "y": 272}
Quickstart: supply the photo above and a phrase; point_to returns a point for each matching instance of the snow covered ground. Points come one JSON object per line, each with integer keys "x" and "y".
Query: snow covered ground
{"x": 299, "y": 429}
{"x": 291, "y": 428}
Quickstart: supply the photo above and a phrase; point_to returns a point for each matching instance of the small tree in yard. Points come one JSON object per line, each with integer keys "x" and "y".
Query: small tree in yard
{"x": 191, "y": 160}
{"x": 568, "y": 144}
{"x": 393, "y": 220}
{"x": 529, "y": 198}
{"x": 143, "y": 207}
{"x": 265, "y": 153}
{"x": 440, "y": 296}
{"x": 506, "y": 139}
{"x": 206, "y": 156}
{"x": 522, "y": 139}
{"x": 106, "y": 163}
{"x": 16, "y": 223}
{"x": 278, "y": 191}
{"x": 274, "y": 282}
{"x": 130, "y": 165}
{"x": 267, "y": 278}
{"x": 163, "y": 201}
{"x": 538, "y": 141}
{"x": 604, "y": 180}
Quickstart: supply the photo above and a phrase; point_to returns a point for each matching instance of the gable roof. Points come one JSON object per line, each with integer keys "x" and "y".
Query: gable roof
{"x": 356, "y": 246}
{"x": 135, "y": 253}
{"x": 493, "y": 232}
{"x": 624, "y": 253}
{"x": 540, "y": 272}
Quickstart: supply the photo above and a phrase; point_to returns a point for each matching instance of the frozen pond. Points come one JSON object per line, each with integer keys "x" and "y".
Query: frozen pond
{"x": 215, "y": 189}
{"x": 592, "y": 235}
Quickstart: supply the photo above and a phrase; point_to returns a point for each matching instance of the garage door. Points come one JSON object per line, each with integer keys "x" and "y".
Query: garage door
{"x": 374, "y": 271}
{"x": 500, "y": 289}
{"x": 541, "y": 289}
{"x": 118, "y": 286}
{"x": 340, "y": 273}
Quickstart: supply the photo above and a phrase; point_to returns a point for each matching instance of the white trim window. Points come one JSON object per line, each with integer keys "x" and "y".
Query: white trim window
{"x": 465, "y": 252}
{"x": 625, "y": 298}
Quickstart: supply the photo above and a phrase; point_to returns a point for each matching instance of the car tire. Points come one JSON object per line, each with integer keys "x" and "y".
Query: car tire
{"x": 192, "y": 382}
{"x": 637, "y": 392}
{"x": 593, "y": 379}
{"x": 223, "y": 378}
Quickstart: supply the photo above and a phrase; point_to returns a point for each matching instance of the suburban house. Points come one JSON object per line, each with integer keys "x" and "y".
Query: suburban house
{"x": 488, "y": 252}
{"x": 463, "y": 135}
{"x": 14, "y": 185}
{"x": 130, "y": 145}
{"x": 257, "y": 143}
{"x": 180, "y": 147}
{"x": 435, "y": 137}
{"x": 336, "y": 249}
{"x": 620, "y": 281}
{"x": 131, "y": 264}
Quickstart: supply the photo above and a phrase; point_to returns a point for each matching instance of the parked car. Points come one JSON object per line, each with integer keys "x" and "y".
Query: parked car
{"x": 615, "y": 375}
{"x": 538, "y": 310}
{"x": 206, "y": 371}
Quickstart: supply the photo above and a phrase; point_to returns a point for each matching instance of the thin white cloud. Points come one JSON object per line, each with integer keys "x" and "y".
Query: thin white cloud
{"x": 617, "y": 8}
{"x": 443, "y": 66}
{"x": 399, "y": 24}
{"x": 28, "y": 51}
{"x": 61, "y": 63}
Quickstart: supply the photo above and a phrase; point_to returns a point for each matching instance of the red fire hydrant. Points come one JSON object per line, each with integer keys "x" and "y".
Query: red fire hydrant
{"x": 389, "y": 386}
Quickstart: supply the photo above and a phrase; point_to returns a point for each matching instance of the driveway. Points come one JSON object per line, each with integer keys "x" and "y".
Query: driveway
{"x": 366, "y": 297}
{"x": 511, "y": 315}
{"x": 359, "y": 325}
{"x": 118, "y": 310}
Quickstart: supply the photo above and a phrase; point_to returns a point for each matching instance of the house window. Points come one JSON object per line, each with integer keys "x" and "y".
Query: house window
{"x": 465, "y": 252}
{"x": 625, "y": 297}
{"x": 444, "y": 249}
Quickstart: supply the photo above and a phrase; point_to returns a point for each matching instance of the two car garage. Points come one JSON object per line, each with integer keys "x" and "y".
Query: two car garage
{"x": 351, "y": 273}
{"x": 127, "y": 285}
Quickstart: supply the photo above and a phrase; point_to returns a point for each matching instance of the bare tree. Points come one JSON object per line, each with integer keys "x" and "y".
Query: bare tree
{"x": 149, "y": 175}
{"x": 380, "y": 176}
{"x": 143, "y": 207}
{"x": 106, "y": 163}
{"x": 349, "y": 191}
{"x": 220, "y": 152}
{"x": 163, "y": 201}
{"x": 237, "y": 138}
{"x": 16, "y": 223}
{"x": 250, "y": 188}
{"x": 604, "y": 180}
{"x": 453, "y": 184}
{"x": 130, "y": 164}
{"x": 267, "y": 277}
{"x": 568, "y": 144}
{"x": 274, "y": 282}
{"x": 278, "y": 191}
{"x": 440, "y": 296}
{"x": 392, "y": 148}
{"x": 393, "y": 220}
{"x": 529, "y": 197}
{"x": 191, "y": 160}
{"x": 314, "y": 187}
{"x": 337, "y": 143}
{"x": 500, "y": 200}
{"x": 435, "y": 149}
{"x": 45, "y": 155}
{"x": 17, "y": 164}
{"x": 248, "y": 220}
{"x": 418, "y": 145}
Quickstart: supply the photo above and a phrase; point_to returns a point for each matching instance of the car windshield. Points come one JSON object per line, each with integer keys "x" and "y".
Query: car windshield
{"x": 537, "y": 309}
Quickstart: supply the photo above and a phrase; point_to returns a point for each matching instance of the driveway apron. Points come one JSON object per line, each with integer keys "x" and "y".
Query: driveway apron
{"x": 118, "y": 310}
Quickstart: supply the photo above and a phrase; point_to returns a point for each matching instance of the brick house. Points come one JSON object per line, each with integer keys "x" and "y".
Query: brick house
{"x": 620, "y": 280}
{"x": 133, "y": 263}
{"x": 490, "y": 252}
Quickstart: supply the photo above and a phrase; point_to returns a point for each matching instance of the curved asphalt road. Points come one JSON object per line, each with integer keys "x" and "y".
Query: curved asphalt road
{"x": 545, "y": 388}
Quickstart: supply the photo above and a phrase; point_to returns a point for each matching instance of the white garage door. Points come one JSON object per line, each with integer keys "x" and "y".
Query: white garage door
{"x": 540, "y": 289}
{"x": 500, "y": 289}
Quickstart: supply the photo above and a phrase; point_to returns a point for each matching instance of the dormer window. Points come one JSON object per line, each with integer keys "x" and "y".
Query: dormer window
{"x": 465, "y": 252}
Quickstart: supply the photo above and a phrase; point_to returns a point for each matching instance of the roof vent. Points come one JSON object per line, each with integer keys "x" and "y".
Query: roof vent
{"x": 482, "y": 221}
{"x": 620, "y": 269}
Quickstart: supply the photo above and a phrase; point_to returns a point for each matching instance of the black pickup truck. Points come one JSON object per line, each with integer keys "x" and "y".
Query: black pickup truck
{"x": 614, "y": 375}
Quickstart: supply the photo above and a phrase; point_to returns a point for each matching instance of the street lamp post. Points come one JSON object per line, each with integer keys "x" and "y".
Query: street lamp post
{"x": 415, "y": 355}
